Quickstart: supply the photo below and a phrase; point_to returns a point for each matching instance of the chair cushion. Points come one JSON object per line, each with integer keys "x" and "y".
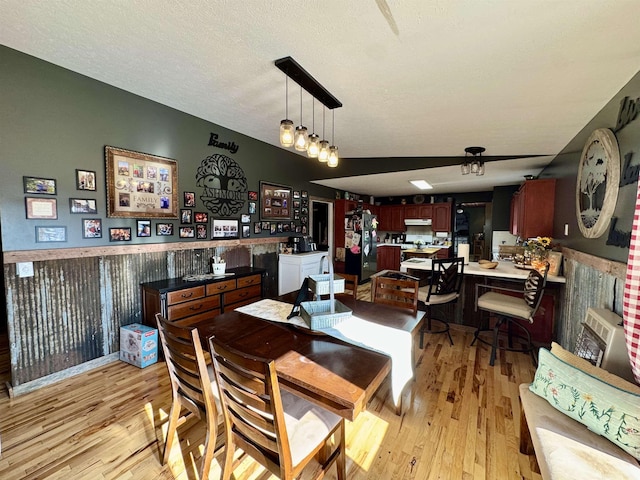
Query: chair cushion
{"x": 506, "y": 305}
{"x": 307, "y": 424}
{"x": 435, "y": 299}
{"x": 603, "y": 408}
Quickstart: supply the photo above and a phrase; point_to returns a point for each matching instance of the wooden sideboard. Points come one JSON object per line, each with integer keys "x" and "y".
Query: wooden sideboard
{"x": 188, "y": 302}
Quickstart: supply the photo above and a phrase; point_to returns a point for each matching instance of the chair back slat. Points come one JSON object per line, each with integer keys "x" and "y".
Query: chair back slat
{"x": 253, "y": 406}
{"x": 534, "y": 286}
{"x": 186, "y": 364}
{"x": 396, "y": 292}
{"x": 350, "y": 283}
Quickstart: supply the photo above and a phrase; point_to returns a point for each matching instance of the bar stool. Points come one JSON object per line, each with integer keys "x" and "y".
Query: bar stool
{"x": 444, "y": 287}
{"x": 510, "y": 310}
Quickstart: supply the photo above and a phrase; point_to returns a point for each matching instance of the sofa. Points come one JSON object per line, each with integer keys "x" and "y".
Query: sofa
{"x": 579, "y": 420}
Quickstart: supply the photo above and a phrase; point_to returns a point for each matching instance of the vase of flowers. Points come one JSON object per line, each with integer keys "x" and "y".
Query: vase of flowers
{"x": 536, "y": 252}
{"x": 418, "y": 244}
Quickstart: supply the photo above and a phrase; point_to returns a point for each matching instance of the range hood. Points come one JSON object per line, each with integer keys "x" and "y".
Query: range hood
{"x": 417, "y": 221}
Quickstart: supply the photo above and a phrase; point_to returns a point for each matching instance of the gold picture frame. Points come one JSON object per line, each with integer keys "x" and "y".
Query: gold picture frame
{"x": 140, "y": 185}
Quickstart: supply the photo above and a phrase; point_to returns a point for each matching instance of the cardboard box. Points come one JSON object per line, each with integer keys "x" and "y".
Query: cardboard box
{"x": 138, "y": 345}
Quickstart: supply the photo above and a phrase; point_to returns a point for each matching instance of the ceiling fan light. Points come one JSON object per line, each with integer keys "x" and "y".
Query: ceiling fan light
{"x": 333, "y": 156}
{"x": 323, "y": 152}
{"x": 286, "y": 133}
{"x": 314, "y": 146}
{"x": 301, "y": 138}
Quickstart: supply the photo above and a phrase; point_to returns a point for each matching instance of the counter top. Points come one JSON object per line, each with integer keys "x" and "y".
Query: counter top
{"x": 503, "y": 270}
{"x": 424, "y": 251}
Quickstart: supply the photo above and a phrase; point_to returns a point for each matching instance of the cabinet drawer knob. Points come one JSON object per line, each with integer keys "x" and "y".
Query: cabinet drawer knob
{"x": 244, "y": 294}
{"x": 221, "y": 287}
{"x": 187, "y": 295}
{"x": 195, "y": 307}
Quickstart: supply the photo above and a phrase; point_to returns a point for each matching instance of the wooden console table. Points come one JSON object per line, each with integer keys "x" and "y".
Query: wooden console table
{"x": 188, "y": 302}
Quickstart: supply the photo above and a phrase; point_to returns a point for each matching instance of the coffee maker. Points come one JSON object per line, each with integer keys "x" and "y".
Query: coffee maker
{"x": 306, "y": 244}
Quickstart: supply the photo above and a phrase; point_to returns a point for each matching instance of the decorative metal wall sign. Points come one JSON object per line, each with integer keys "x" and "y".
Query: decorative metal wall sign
{"x": 213, "y": 142}
{"x": 597, "y": 183}
{"x": 224, "y": 185}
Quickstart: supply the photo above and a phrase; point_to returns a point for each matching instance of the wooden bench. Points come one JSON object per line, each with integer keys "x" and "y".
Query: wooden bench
{"x": 539, "y": 422}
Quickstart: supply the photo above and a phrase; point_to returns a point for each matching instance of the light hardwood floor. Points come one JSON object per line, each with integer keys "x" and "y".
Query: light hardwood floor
{"x": 460, "y": 421}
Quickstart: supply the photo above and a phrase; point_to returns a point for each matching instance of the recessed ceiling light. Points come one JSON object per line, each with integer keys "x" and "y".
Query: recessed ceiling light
{"x": 421, "y": 184}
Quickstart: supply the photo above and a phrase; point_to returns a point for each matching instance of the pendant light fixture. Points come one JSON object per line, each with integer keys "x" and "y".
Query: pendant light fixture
{"x": 333, "y": 150}
{"x": 314, "y": 140}
{"x": 476, "y": 165}
{"x": 323, "y": 152}
{"x": 301, "y": 139}
{"x": 286, "y": 125}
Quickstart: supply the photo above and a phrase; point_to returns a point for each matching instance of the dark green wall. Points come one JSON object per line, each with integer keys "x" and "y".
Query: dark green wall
{"x": 54, "y": 121}
{"x": 565, "y": 169}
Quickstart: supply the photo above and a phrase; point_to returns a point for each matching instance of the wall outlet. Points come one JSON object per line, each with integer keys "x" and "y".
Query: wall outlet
{"x": 24, "y": 269}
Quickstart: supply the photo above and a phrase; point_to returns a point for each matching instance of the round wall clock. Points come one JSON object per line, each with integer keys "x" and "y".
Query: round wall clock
{"x": 597, "y": 183}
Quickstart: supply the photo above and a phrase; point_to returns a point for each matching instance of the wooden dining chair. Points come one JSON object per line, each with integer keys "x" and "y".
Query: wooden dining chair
{"x": 350, "y": 283}
{"x": 396, "y": 289}
{"x": 281, "y": 431}
{"x": 193, "y": 388}
{"x": 445, "y": 283}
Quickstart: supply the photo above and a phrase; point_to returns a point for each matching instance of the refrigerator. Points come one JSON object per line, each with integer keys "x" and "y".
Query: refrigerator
{"x": 360, "y": 244}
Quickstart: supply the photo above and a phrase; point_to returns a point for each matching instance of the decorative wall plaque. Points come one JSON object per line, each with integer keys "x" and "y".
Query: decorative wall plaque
{"x": 597, "y": 183}
{"x": 224, "y": 185}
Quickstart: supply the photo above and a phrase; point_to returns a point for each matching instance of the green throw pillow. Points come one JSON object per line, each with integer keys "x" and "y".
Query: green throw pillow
{"x": 603, "y": 408}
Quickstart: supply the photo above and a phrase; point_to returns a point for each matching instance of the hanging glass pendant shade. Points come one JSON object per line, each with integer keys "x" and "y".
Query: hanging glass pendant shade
{"x": 314, "y": 140}
{"x": 333, "y": 150}
{"x": 286, "y": 133}
{"x": 333, "y": 156}
{"x": 286, "y": 125}
{"x": 323, "y": 145}
{"x": 301, "y": 140}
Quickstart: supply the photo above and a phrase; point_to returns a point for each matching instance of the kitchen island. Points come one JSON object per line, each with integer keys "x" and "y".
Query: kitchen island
{"x": 506, "y": 274}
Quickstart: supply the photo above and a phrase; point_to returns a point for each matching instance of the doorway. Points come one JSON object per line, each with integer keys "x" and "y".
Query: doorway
{"x": 321, "y": 224}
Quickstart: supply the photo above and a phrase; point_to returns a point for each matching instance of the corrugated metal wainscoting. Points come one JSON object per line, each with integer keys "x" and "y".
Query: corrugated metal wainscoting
{"x": 71, "y": 310}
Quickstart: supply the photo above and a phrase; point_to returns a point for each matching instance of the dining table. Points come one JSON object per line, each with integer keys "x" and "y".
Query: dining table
{"x": 335, "y": 374}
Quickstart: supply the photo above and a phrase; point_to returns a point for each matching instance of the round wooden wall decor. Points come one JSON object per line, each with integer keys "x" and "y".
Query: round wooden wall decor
{"x": 597, "y": 183}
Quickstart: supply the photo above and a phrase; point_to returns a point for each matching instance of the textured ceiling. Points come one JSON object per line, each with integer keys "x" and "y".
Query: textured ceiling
{"x": 416, "y": 78}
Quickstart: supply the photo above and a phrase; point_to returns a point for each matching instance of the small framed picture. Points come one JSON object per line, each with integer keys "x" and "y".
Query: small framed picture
{"x": 189, "y": 199}
{"x": 143, "y": 228}
{"x": 252, "y": 208}
{"x": 296, "y": 194}
{"x": 85, "y": 180}
{"x": 272, "y": 228}
{"x": 120, "y": 234}
{"x": 91, "y": 228}
{"x": 245, "y": 218}
{"x": 279, "y": 227}
{"x": 37, "y": 185}
{"x": 46, "y": 234}
{"x": 257, "y": 228}
{"x": 41, "y": 208}
{"x": 266, "y": 226}
{"x": 164, "y": 229}
{"x": 187, "y": 232}
{"x": 304, "y": 194}
{"x": 224, "y": 228}
{"x": 201, "y": 231}
{"x": 296, "y": 204}
{"x": 246, "y": 231}
{"x": 252, "y": 195}
{"x": 201, "y": 217}
{"x": 185, "y": 216}
{"x": 83, "y": 205}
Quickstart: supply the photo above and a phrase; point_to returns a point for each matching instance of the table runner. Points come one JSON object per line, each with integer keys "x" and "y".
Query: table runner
{"x": 392, "y": 342}
{"x": 631, "y": 301}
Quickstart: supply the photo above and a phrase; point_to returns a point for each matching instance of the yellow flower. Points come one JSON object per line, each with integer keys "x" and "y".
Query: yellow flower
{"x": 544, "y": 241}
{"x": 587, "y": 397}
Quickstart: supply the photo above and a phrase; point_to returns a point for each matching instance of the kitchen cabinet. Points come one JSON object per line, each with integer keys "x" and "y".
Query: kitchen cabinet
{"x": 188, "y": 302}
{"x": 442, "y": 218}
{"x": 532, "y": 208}
{"x": 444, "y": 252}
{"x": 391, "y": 218}
{"x": 388, "y": 257}
{"x": 418, "y": 211}
{"x": 293, "y": 269}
